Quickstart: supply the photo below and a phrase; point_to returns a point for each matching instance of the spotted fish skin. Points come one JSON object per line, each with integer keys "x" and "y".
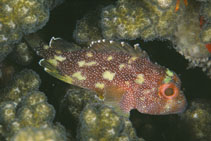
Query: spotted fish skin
{"x": 122, "y": 76}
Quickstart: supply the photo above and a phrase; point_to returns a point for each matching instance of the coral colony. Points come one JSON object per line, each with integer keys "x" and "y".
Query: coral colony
{"x": 112, "y": 87}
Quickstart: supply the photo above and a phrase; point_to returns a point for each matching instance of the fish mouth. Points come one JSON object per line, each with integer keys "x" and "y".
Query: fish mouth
{"x": 180, "y": 105}
{"x": 175, "y": 106}
{"x": 183, "y": 106}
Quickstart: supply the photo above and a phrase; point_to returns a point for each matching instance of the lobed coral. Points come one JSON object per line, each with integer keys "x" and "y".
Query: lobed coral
{"x": 135, "y": 19}
{"x": 187, "y": 43}
{"x": 197, "y": 120}
{"x": 76, "y": 99}
{"x": 38, "y": 134}
{"x": 22, "y": 54}
{"x": 24, "y": 82}
{"x": 5, "y": 50}
{"x": 192, "y": 38}
{"x": 206, "y": 34}
{"x": 20, "y": 17}
{"x": 205, "y": 10}
{"x": 126, "y": 20}
{"x": 7, "y": 71}
{"x": 23, "y": 106}
{"x": 87, "y": 29}
{"x": 99, "y": 122}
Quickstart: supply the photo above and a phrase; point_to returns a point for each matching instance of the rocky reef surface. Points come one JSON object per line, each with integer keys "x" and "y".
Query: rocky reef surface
{"x": 35, "y": 106}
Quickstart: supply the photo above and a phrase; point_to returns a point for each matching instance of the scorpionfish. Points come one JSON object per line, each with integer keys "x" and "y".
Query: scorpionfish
{"x": 121, "y": 75}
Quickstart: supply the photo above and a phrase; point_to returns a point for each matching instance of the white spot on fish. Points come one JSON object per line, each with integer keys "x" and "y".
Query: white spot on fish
{"x": 99, "y": 85}
{"x": 79, "y": 76}
{"x": 139, "y": 79}
{"x": 108, "y": 75}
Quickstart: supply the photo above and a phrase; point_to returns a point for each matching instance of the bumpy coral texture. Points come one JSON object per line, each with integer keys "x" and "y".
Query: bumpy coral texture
{"x": 135, "y": 19}
{"x": 38, "y": 134}
{"x": 20, "y": 17}
{"x": 23, "y": 106}
{"x": 197, "y": 120}
{"x": 99, "y": 122}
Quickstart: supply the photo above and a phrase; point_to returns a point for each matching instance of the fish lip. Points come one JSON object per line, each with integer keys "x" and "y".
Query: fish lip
{"x": 184, "y": 105}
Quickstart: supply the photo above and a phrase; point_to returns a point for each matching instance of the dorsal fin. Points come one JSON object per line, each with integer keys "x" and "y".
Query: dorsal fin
{"x": 56, "y": 45}
{"x": 61, "y": 44}
{"x": 114, "y": 46}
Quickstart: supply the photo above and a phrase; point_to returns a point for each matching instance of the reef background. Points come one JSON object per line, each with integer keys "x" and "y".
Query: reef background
{"x": 62, "y": 24}
{"x": 195, "y": 83}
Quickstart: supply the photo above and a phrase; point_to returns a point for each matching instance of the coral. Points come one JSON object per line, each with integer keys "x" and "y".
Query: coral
{"x": 23, "y": 54}
{"x": 72, "y": 105}
{"x": 206, "y": 34}
{"x": 7, "y": 71}
{"x": 33, "y": 98}
{"x": 24, "y": 82}
{"x": 7, "y": 112}
{"x": 192, "y": 38}
{"x": 197, "y": 120}
{"x": 205, "y": 10}
{"x": 135, "y": 19}
{"x": 4, "y": 51}
{"x": 164, "y": 4}
{"x": 87, "y": 29}
{"x": 20, "y": 17}
{"x": 39, "y": 134}
{"x": 207, "y": 68}
{"x": 99, "y": 122}
{"x": 124, "y": 21}
{"x": 35, "y": 111}
{"x": 76, "y": 99}
{"x": 22, "y": 106}
{"x": 187, "y": 43}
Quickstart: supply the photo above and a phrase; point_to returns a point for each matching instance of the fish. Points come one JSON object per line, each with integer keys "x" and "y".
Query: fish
{"x": 121, "y": 75}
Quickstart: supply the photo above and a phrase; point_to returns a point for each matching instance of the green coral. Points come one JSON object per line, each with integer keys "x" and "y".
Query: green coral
{"x": 99, "y": 122}
{"x": 206, "y": 34}
{"x": 87, "y": 29}
{"x": 197, "y": 119}
{"x": 35, "y": 110}
{"x": 4, "y": 51}
{"x": 163, "y": 4}
{"x": 205, "y": 10}
{"x": 24, "y": 82}
{"x": 22, "y": 54}
{"x": 135, "y": 19}
{"x": 20, "y": 17}
{"x": 124, "y": 21}
{"x": 7, "y": 112}
{"x": 187, "y": 37}
{"x": 73, "y": 104}
{"x": 38, "y": 134}
{"x": 23, "y": 106}
{"x": 32, "y": 111}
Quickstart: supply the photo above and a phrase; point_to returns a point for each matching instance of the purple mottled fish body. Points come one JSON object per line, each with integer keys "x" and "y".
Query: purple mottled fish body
{"x": 121, "y": 75}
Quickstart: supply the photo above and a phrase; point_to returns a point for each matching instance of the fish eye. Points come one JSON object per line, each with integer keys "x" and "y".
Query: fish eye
{"x": 168, "y": 90}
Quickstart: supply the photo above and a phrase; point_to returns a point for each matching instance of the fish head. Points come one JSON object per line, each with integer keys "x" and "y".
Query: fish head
{"x": 166, "y": 98}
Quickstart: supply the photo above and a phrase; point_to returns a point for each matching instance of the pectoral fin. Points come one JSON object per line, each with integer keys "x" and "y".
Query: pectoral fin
{"x": 112, "y": 97}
